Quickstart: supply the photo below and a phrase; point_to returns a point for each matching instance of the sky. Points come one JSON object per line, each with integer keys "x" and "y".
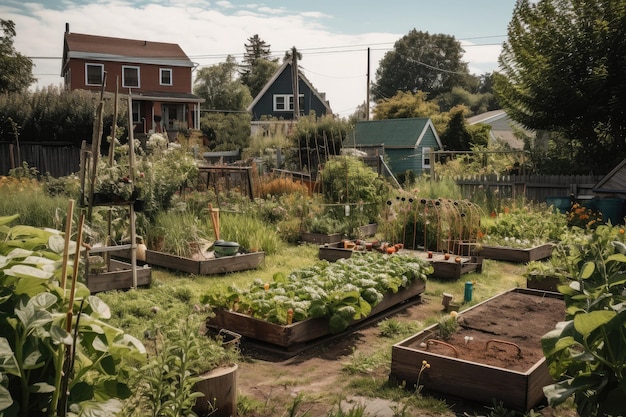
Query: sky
{"x": 332, "y": 36}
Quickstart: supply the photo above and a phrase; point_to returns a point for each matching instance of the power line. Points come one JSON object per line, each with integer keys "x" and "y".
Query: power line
{"x": 315, "y": 50}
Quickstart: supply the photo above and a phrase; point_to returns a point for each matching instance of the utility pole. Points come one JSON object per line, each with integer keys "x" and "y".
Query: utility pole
{"x": 294, "y": 81}
{"x": 367, "y": 88}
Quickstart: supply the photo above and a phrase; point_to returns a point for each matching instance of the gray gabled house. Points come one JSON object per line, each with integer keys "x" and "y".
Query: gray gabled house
{"x": 407, "y": 143}
{"x": 275, "y": 100}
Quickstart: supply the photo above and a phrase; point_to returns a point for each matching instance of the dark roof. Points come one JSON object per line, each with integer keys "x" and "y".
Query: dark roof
{"x": 287, "y": 66}
{"x": 104, "y": 48}
{"x": 166, "y": 96}
{"x": 401, "y": 133}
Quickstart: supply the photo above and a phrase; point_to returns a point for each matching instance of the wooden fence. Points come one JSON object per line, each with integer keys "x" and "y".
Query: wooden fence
{"x": 58, "y": 160}
{"x": 534, "y": 187}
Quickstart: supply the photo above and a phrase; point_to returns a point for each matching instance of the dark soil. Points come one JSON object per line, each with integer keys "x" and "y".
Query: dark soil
{"x": 505, "y": 331}
{"x": 276, "y": 380}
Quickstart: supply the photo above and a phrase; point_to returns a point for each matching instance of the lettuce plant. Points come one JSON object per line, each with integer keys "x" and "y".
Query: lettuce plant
{"x": 56, "y": 359}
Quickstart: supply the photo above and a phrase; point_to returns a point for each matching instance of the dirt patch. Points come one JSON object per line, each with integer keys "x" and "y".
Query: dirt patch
{"x": 504, "y": 332}
{"x": 319, "y": 372}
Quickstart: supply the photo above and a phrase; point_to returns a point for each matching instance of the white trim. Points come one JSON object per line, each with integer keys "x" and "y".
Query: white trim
{"x": 161, "y": 72}
{"x": 89, "y": 64}
{"x": 288, "y": 99}
{"x": 426, "y": 156}
{"x": 124, "y": 67}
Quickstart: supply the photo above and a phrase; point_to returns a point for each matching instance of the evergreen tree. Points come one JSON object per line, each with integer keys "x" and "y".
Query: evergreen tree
{"x": 563, "y": 71}
{"x": 258, "y": 66}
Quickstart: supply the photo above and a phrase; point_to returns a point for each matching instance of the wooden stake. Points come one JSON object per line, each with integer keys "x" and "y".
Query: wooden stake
{"x": 68, "y": 233}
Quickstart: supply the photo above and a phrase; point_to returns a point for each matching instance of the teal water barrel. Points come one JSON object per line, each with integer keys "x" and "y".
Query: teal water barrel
{"x": 563, "y": 204}
{"x": 611, "y": 208}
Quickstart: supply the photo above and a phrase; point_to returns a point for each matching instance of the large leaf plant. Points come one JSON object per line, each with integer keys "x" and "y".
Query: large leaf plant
{"x": 586, "y": 353}
{"x": 55, "y": 359}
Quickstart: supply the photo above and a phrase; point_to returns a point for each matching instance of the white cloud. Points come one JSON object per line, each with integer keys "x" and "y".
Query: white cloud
{"x": 335, "y": 63}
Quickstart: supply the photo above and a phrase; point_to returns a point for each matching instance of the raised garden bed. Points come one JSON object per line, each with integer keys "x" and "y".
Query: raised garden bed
{"x": 210, "y": 266}
{"x": 118, "y": 275}
{"x": 321, "y": 239}
{"x": 449, "y": 269}
{"x": 544, "y": 283}
{"x": 503, "y": 253}
{"x": 503, "y": 361}
{"x": 294, "y": 336}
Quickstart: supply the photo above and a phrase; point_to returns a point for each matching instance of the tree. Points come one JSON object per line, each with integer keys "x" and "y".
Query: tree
{"x": 221, "y": 90}
{"x": 405, "y": 104}
{"x": 421, "y": 62}
{"x": 16, "y": 70}
{"x": 562, "y": 71}
{"x": 257, "y": 67}
{"x": 226, "y": 132}
{"x": 457, "y": 136}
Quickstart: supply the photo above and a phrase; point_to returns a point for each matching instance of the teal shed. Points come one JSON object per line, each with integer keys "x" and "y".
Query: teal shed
{"x": 407, "y": 143}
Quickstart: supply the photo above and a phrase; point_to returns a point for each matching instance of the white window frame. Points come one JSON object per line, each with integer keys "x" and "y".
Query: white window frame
{"x": 163, "y": 71}
{"x": 136, "y": 111}
{"x": 87, "y": 66}
{"x": 288, "y": 100}
{"x": 426, "y": 157}
{"x": 124, "y": 68}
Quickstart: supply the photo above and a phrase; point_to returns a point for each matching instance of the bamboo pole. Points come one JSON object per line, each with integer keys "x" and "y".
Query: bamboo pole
{"x": 68, "y": 233}
{"x": 131, "y": 175}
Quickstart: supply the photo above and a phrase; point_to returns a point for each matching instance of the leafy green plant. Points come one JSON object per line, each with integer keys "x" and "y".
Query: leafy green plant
{"x": 586, "y": 354}
{"x": 524, "y": 227}
{"x": 166, "y": 383}
{"x": 539, "y": 270}
{"x": 340, "y": 291}
{"x": 59, "y": 356}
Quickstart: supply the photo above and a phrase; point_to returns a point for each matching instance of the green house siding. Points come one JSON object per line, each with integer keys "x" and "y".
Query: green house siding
{"x": 401, "y": 160}
{"x": 403, "y": 141}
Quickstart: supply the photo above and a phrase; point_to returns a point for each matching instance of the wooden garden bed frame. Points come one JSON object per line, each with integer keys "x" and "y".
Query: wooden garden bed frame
{"x": 212, "y": 266}
{"x": 503, "y": 253}
{"x": 119, "y": 276}
{"x": 447, "y": 269}
{"x": 293, "y": 336}
{"x": 471, "y": 380}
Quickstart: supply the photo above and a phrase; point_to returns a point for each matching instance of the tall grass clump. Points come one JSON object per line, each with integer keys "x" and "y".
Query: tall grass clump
{"x": 25, "y": 197}
{"x": 426, "y": 187}
{"x": 175, "y": 232}
{"x": 250, "y": 232}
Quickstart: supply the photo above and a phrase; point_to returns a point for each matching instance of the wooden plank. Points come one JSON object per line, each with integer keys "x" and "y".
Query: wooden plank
{"x": 213, "y": 266}
{"x": 460, "y": 378}
{"x": 320, "y": 238}
{"x": 240, "y": 262}
{"x": 303, "y": 331}
{"x": 174, "y": 262}
{"x": 118, "y": 277}
{"x": 502, "y": 253}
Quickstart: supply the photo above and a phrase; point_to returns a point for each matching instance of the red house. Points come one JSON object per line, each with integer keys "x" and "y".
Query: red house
{"x": 156, "y": 75}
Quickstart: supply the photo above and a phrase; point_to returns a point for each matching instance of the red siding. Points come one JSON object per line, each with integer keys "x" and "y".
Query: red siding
{"x": 149, "y": 77}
